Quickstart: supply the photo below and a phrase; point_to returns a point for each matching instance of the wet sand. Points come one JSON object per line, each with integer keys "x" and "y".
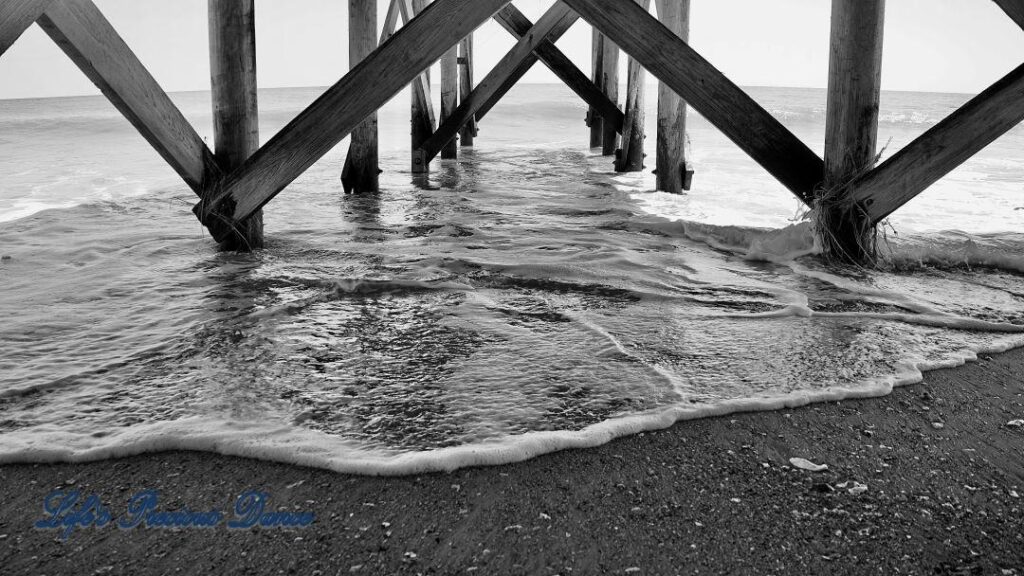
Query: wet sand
{"x": 943, "y": 470}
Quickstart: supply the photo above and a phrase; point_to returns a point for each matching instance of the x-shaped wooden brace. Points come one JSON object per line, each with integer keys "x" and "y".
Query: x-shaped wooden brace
{"x": 536, "y": 43}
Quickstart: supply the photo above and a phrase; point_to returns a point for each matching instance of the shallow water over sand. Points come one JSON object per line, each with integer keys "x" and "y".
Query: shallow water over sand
{"x": 522, "y": 300}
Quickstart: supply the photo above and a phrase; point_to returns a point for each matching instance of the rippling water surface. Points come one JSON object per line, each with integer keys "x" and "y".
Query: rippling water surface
{"x": 521, "y": 300}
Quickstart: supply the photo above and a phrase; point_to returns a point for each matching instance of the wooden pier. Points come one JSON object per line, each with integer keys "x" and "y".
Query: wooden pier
{"x": 850, "y": 196}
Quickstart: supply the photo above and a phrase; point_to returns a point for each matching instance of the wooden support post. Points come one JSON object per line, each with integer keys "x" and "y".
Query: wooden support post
{"x": 236, "y": 130}
{"x": 15, "y": 17}
{"x": 714, "y": 96}
{"x": 595, "y": 120}
{"x": 673, "y": 172}
{"x": 362, "y": 166}
{"x": 469, "y": 131}
{"x": 450, "y": 96}
{"x": 610, "y": 87}
{"x": 945, "y": 146}
{"x": 851, "y": 127}
{"x": 422, "y": 107}
{"x": 390, "y": 23}
{"x": 85, "y": 35}
{"x": 552, "y": 25}
{"x": 519, "y": 26}
{"x": 333, "y": 115}
{"x": 630, "y": 158}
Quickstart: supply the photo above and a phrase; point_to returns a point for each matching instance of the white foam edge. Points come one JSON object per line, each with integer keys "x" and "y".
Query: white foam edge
{"x": 319, "y": 450}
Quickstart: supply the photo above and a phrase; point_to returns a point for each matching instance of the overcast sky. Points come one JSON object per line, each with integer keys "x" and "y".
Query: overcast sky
{"x": 931, "y": 45}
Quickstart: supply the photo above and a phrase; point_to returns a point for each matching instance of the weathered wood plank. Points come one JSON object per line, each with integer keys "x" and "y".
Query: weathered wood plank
{"x": 85, "y": 35}
{"x": 362, "y": 166}
{"x": 519, "y": 25}
{"x": 236, "y": 127}
{"x": 466, "y": 84}
{"x": 595, "y": 121}
{"x": 630, "y": 158}
{"x": 553, "y": 24}
{"x": 15, "y": 17}
{"x": 343, "y": 106}
{"x": 450, "y": 96}
{"x": 945, "y": 146}
{"x": 673, "y": 173}
{"x": 854, "y": 87}
{"x": 718, "y": 99}
{"x": 610, "y": 87}
{"x": 1014, "y": 9}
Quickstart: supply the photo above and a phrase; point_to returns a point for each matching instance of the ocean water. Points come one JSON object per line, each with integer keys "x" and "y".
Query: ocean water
{"x": 521, "y": 300}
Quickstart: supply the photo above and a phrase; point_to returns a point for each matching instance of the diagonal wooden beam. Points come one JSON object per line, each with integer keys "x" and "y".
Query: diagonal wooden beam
{"x": 554, "y": 23}
{"x": 938, "y": 151}
{"x": 85, "y": 35}
{"x": 331, "y": 117}
{"x": 708, "y": 91}
{"x": 1014, "y": 9}
{"x": 519, "y": 25}
{"x": 390, "y": 21}
{"x": 15, "y": 17}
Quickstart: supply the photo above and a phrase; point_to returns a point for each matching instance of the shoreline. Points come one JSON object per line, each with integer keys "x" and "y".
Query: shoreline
{"x": 714, "y": 495}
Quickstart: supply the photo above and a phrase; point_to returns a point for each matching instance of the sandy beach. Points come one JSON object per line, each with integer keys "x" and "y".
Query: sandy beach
{"x": 943, "y": 472}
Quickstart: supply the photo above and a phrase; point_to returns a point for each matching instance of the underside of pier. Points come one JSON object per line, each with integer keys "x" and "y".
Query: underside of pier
{"x": 846, "y": 191}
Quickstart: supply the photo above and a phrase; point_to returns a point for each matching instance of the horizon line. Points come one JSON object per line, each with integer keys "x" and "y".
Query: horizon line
{"x": 325, "y": 87}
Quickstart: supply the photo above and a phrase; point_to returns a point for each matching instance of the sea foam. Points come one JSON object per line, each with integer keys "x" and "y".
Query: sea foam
{"x": 523, "y": 300}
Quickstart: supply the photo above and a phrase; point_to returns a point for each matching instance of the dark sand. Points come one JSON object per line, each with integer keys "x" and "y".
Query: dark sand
{"x": 710, "y": 496}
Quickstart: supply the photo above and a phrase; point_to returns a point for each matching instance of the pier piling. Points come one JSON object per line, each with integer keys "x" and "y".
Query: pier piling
{"x": 630, "y": 158}
{"x": 594, "y": 120}
{"x": 236, "y": 130}
{"x": 362, "y": 166}
{"x": 423, "y": 119}
{"x": 610, "y": 87}
{"x": 851, "y": 129}
{"x": 673, "y": 172}
{"x": 469, "y": 131}
{"x": 450, "y": 97}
